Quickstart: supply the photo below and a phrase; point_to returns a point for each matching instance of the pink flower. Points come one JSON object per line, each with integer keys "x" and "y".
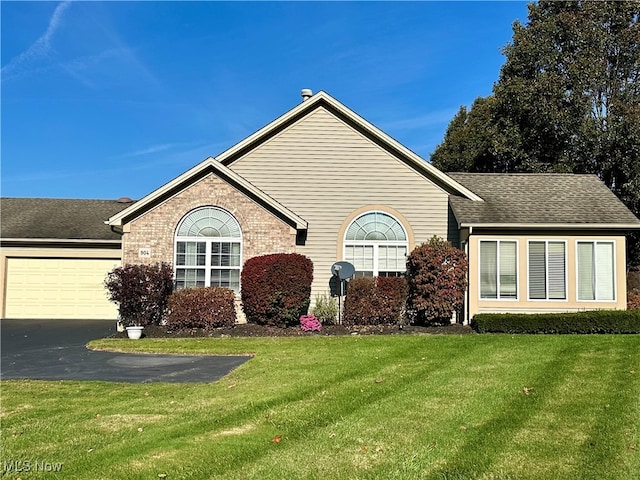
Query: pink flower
{"x": 309, "y": 323}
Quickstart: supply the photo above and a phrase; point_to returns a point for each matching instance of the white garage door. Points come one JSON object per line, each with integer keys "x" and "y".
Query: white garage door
{"x": 58, "y": 288}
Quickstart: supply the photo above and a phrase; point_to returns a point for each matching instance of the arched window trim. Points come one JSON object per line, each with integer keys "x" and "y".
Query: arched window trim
{"x": 376, "y": 257}
{"x": 201, "y": 260}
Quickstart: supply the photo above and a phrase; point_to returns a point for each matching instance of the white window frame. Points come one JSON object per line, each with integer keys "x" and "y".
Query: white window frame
{"x": 208, "y": 268}
{"x": 595, "y": 265}
{"x": 546, "y": 280}
{"x": 498, "y": 297}
{"x": 376, "y": 244}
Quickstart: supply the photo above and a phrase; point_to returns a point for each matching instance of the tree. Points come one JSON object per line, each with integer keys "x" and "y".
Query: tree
{"x": 436, "y": 279}
{"x": 567, "y": 100}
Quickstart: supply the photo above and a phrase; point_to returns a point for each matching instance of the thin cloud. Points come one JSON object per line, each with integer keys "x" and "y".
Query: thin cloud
{"x": 40, "y": 48}
{"x": 182, "y": 159}
{"x": 150, "y": 150}
{"x": 431, "y": 119}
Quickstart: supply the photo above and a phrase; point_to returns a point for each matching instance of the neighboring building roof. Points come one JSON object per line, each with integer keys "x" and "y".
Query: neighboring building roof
{"x": 40, "y": 219}
{"x": 323, "y": 99}
{"x": 207, "y": 166}
{"x": 539, "y": 201}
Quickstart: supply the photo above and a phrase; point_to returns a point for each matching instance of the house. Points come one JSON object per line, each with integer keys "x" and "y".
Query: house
{"x": 55, "y": 256}
{"x": 323, "y": 182}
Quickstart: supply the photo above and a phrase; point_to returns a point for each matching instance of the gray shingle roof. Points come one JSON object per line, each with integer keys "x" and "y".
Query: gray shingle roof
{"x": 39, "y": 218}
{"x": 544, "y": 199}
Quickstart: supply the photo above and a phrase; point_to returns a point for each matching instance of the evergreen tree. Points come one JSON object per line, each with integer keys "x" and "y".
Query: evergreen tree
{"x": 567, "y": 100}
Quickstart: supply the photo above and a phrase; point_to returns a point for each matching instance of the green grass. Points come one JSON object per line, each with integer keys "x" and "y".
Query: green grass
{"x": 396, "y": 407}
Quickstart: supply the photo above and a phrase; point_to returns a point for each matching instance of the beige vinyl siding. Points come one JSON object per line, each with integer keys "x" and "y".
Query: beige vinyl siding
{"x": 523, "y": 303}
{"x": 324, "y": 171}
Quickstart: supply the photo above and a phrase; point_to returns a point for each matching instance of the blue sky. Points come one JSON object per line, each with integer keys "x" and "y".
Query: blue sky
{"x": 111, "y": 99}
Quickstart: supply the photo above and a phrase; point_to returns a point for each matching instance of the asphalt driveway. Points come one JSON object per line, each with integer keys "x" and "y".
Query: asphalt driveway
{"x": 55, "y": 350}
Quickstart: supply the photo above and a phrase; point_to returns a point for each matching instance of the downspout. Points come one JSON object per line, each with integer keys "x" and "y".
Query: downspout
{"x": 467, "y": 320}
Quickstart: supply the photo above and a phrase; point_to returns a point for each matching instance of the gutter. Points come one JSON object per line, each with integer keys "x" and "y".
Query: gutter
{"x": 59, "y": 240}
{"x": 555, "y": 226}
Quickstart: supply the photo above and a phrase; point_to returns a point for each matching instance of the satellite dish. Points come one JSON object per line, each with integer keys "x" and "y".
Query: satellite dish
{"x": 343, "y": 270}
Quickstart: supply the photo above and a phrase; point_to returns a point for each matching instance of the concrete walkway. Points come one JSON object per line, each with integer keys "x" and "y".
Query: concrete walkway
{"x": 55, "y": 350}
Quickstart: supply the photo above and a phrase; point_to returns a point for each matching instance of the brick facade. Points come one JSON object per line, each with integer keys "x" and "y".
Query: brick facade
{"x": 154, "y": 231}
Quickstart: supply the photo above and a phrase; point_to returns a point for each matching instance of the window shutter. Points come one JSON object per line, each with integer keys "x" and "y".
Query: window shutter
{"x": 557, "y": 274}
{"x": 537, "y": 271}
{"x": 488, "y": 269}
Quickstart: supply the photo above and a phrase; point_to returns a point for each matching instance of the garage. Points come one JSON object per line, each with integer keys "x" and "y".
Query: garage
{"x": 55, "y": 256}
{"x": 58, "y": 288}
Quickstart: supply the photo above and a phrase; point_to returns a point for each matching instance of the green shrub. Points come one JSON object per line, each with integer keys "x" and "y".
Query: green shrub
{"x": 326, "y": 309}
{"x": 436, "y": 275}
{"x": 141, "y": 292}
{"x": 375, "y": 301}
{"x": 597, "y": 321}
{"x": 276, "y": 289}
{"x": 203, "y": 307}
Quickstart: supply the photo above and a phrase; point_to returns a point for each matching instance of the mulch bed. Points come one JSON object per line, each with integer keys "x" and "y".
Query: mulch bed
{"x": 253, "y": 330}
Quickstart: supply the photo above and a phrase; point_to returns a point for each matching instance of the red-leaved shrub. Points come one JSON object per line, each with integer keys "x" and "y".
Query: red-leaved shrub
{"x": 633, "y": 280}
{"x": 141, "y": 292}
{"x": 202, "y": 307}
{"x": 436, "y": 275}
{"x": 633, "y": 301}
{"x": 375, "y": 300}
{"x": 276, "y": 289}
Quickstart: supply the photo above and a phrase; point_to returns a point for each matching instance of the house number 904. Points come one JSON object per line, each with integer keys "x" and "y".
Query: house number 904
{"x": 144, "y": 252}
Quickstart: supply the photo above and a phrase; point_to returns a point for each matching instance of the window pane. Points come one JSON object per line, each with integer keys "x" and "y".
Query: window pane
{"x": 384, "y": 262}
{"x": 391, "y": 260}
{"x": 361, "y": 256}
{"x": 375, "y": 226}
{"x": 557, "y": 289}
{"x": 604, "y": 271}
{"x": 488, "y": 269}
{"x": 189, "y": 277}
{"x": 508, "y": 275}
{"x": 537, "y": 270}
{"x": 225, "y": 277}
{"x": 191, "y": 253}
{"x": 209, "y": 222}
{"x": 586, "y": 272}
{"x": 363, "y": 273}
{"x": 234, "y": 280}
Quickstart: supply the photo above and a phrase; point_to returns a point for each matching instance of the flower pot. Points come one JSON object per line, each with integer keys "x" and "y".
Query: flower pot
{"x": 134, "y": 332}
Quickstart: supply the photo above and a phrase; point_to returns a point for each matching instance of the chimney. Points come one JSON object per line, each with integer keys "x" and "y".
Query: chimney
{"x": 306, "y": 94}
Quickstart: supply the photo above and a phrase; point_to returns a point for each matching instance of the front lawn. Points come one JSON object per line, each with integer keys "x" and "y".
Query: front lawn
{"x": 388, "y": 407}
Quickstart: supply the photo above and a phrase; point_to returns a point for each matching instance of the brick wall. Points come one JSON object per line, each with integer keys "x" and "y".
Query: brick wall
{"x": 262, "y": 232}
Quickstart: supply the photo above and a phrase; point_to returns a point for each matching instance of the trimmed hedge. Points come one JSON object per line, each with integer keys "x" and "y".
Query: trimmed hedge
{"x": 375, "y": 301}
{"x": 596, "y": 321}
{"x": 202, "y": 307}
{"x": 141, "y": 292}
{"x": 276, "y": 289}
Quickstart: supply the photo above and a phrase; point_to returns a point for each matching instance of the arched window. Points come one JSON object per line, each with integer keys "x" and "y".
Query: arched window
{"x": 376, "y": 244}
{"x": 208, "y": 250}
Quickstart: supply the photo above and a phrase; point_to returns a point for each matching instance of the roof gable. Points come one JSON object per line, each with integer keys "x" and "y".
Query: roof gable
{"x": 344, "y": 114}
{"x": 210, "y": 165}
{"x": 540, "y": 200}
